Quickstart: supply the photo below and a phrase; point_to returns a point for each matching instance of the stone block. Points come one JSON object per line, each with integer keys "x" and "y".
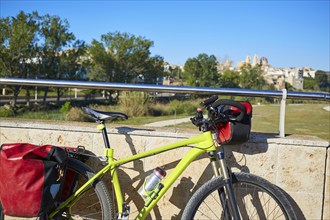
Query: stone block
{"x": 13, "y": 135}
{"x": 258, "y": 158}
{"x": 309, "y": 205}
{"x": 301, "y": 169}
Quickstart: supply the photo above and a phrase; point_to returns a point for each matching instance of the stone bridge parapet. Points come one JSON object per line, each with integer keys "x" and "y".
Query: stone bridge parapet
{"x": 297, "y": 164}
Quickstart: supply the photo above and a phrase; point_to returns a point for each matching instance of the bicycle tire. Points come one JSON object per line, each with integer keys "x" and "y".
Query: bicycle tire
{"x": 2, "y": 217}
{"x": 95, "y": 202}
{"x": 250, "y": 191}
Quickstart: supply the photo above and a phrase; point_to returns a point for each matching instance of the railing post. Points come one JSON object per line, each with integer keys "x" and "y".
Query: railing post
{"x": 36, "y": 94}
{"x": 75, "y": 93}
{"x": 282, "y": 113}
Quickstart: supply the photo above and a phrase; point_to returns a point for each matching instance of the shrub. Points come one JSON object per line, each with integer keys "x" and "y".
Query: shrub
{"x": 6, "y": 112}
{"x": 36, "y": 107}
{"x": 21, "y": 110}
{"x": 76, "y": 114}
{"x": 184, "y": 107}
{"x": 104, "y": 108}
{"x": 135, "y": 103}
{"x": 161, "y": 109}
{"x": 66, "y": 107}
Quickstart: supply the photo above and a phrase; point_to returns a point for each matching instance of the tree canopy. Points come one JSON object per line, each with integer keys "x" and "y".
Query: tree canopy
{"x": 230, "y": 79}
{"x": 18, "y": 38}
{"x": 320, "y": 82}
{"x": 201, "y": 71}
{"x": 34, "y": 46}
{"x": 251, "y": 77}
{"x": 122, "y": 57}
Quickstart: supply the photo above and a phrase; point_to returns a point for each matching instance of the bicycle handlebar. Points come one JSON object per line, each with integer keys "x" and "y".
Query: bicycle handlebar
{"x": 210, "y": 100}
{"x": 217, "y": 115}
{"x": 231, "y": 103}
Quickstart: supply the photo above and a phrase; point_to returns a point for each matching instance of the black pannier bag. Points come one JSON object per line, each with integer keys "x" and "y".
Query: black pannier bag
{"x": 31, "y": 178}
{"x": 71, "y": 178}
{"x": 234, "y": 132}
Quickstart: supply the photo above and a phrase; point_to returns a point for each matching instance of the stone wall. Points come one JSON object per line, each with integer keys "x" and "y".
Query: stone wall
{"x": 297, "y": 164}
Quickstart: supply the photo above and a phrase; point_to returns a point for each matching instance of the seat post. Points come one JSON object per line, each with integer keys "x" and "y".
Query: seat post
{"x": 103, "y": 129}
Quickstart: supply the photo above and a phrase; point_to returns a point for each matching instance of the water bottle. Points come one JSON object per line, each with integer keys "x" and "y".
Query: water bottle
{"x": 152, "y": 181}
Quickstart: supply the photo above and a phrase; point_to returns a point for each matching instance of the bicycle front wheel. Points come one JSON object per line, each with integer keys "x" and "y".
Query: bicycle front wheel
{"x": 256, "y": 199}
{"x": 95, "y": 202}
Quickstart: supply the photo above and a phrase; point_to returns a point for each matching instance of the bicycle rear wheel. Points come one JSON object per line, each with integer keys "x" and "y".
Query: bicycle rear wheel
{"x": 95, "y": 203}
{"x": 256, "y": 199}
{"x": 1, "y": 212}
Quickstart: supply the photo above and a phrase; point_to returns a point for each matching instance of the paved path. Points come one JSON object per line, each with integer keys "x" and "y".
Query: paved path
{"x": 327, "y": 108}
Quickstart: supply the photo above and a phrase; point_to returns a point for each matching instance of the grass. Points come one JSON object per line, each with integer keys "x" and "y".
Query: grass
{"x": 148, "y": 119}
{"x": 302, "y": 119}
{"x": 306, "y": 119}
{"x": 53, "y": 115}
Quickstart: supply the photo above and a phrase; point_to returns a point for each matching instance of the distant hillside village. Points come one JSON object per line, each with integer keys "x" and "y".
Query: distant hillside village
{"x": 273, "y": 75}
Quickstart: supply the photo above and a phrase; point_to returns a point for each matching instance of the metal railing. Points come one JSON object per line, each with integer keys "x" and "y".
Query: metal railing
{"x": 284, "y": 94}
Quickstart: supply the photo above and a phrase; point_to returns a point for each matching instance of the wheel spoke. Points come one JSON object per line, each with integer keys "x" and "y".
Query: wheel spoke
{"x": 256, "y": 198}
{"x": 94, "y": 203}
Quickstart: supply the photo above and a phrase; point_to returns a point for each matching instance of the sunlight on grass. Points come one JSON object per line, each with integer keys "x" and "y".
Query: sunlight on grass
{"x": 304, "y": 119}
{"x": 49, "y": 115}
{"x": 148, "y": 119}
{"x": 307, "y": 119}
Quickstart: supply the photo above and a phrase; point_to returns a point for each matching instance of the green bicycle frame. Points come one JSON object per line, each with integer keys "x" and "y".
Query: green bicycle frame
{"x": 199, "y": 144}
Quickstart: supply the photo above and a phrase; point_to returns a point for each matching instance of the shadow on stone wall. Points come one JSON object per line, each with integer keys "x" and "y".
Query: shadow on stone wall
{"x": 254, "y": 149}
{"x": 186, "y": 187}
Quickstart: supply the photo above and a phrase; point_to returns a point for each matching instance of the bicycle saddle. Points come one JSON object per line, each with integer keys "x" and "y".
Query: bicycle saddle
{"x": 99, "y": 115}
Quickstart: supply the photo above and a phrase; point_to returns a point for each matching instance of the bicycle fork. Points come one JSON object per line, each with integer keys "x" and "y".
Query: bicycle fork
{"x": 228, "y": 186}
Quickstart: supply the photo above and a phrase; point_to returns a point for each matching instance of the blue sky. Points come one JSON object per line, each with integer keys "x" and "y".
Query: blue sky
{"x": 288, "y": 33}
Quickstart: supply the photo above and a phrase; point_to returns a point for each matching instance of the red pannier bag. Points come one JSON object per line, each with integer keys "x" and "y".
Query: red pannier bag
{"x": 235, "y": 132}
{"x": 30, "y": 178}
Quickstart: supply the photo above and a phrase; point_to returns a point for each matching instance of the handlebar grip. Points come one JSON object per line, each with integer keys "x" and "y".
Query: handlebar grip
{"x": 210, "y": 100}
{"x": 231, "y": 103}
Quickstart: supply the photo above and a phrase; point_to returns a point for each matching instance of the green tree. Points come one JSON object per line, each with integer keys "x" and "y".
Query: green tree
{"x": 177, "y": 72}
{"x": 102, "y": 63}
{"x": 201, "y": 71}
{"x": 322, "y": 79}
{"x": 229, "y": 79}
{"x": 73, "y": 64}
{"x": 18, "y": 37}
{"x": 154, "y": 68}
{"x": 122, "y": 57}
{"x": 309, "y": 83}
{"x": 55, "y": 38}
{"x": 251, "y": 77}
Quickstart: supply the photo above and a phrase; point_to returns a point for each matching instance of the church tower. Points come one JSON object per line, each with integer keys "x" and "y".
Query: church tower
{"x": 255, "y": 60}
{"x": 248, "y": 59}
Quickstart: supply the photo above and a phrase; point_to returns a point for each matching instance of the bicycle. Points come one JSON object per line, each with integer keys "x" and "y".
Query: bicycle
{"x": 226, "y": 196}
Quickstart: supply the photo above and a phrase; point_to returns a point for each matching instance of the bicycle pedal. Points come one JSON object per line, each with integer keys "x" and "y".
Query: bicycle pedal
{"x": 126, "y": 210}
{"x": 125, "y": 214}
